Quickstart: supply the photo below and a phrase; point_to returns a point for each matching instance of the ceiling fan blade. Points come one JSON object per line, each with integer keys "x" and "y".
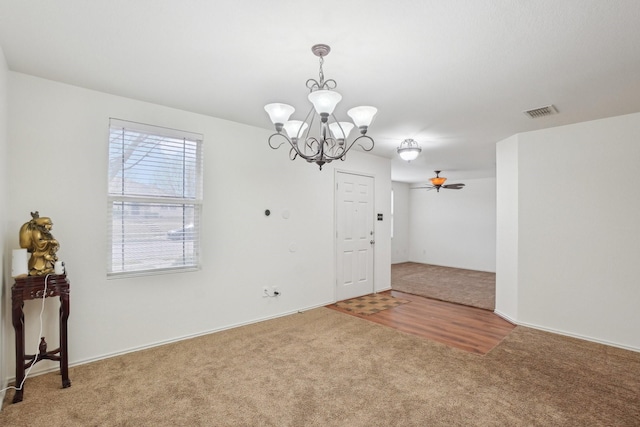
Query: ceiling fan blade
{"x": 453, "y": 186}
{"x": 425, "y": 187}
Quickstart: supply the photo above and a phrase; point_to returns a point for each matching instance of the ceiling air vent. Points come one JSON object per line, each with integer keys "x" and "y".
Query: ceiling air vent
{"x": 547, "y": 110}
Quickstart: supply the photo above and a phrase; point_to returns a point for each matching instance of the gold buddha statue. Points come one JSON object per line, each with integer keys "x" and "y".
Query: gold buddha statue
{"x": 36, "y": 238}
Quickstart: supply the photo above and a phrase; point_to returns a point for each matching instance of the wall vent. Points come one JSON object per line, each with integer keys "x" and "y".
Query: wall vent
{"x": 547, "y": 110}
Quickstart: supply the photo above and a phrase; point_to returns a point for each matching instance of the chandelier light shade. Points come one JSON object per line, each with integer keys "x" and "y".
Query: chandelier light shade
{"x": 325, "y": 101}
{"x": 362, "y": 116}
{"x": 409, "y": 150}
{"x": 279, "y": 113}
{"x": 341, "y": 130}
{"x": 320, "y": 138}
{"x": 295, "y": 128}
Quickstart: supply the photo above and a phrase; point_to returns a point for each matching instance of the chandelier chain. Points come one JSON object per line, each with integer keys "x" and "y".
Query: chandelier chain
{"x": 313, "y": 84}
{"x": 321, "y": 72}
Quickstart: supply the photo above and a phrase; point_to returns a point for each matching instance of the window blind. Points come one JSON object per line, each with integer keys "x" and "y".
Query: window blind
{"x": 155, "y": 199}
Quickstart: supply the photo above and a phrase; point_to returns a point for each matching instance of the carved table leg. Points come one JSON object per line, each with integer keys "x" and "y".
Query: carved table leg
{"x": 64, "y": 355}
{"x": 18, "y": 325}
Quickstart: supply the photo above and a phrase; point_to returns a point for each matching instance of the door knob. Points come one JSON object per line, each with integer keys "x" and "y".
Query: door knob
{"x": 373, "y": 242}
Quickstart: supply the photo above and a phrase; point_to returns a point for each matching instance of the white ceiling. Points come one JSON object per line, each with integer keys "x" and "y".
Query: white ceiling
{"x": 455, "y": 75}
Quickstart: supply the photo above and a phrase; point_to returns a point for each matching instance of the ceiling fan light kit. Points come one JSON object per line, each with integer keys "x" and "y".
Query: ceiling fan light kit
{"x": 331, "y": 142}
{"x": 409, "y": 150}
{"x": 438, "y": 181}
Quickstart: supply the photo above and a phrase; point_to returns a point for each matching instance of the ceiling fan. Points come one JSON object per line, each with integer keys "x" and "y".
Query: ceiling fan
{"x": 438, "y": 183}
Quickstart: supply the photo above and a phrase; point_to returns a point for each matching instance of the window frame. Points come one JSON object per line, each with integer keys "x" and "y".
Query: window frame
{"x": 157, "y": 201}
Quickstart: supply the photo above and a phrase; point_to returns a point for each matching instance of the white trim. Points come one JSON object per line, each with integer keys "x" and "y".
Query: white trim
{"x": 153, "y": 272}
{"x": 505, "y": 317}
{"x": 153, "y": 200}
{"x": 565, "y": 333}
{"x": 578, "y": 336}
{"x": 145, "y": 128}
{"x": 288, "y": 313}
{"x": 170, "y": 341}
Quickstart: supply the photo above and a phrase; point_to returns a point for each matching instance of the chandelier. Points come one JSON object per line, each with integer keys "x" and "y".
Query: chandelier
{"x": 409, "y": 150}
{"x": 331, "y": 140}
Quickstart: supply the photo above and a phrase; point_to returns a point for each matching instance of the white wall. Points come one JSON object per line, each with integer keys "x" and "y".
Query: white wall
{"x": 400, "y": 241}
{"x": 58, "y": 150}
{"x": 4, "y": 164}
{"x": 455, "y": 228}
{"x": 578, "y": 230}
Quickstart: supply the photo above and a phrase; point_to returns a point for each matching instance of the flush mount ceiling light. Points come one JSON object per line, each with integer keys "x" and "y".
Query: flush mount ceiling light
{"x": 409, "y": 150}
{"x": 330, "y": 143}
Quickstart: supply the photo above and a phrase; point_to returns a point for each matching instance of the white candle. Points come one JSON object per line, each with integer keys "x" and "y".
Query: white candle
{"x": 58, "y": 267}
{"x": 19, "y": 263}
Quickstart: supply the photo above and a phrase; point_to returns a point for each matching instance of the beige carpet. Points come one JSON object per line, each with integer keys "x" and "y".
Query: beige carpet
{"x": 468, "y": 287}
{"x": 370, "y": 304}
{"x": 325, "y": 368}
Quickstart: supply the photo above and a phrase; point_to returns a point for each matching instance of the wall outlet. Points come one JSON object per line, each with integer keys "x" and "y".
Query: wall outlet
{"x": 270, "y": 291}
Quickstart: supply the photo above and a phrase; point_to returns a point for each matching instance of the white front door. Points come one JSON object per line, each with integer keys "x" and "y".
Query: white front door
{"x": 354, "y": 235}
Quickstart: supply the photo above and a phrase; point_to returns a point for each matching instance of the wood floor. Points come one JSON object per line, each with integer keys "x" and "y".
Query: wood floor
{"x": 467, "y": 328}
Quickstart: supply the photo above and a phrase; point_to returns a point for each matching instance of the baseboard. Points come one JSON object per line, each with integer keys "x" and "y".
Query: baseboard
{"x": 566, "y": 334}
{"x": 164, "y": 342}
{"x": 505, "y": 317}
{"x": 493, "y": 271}
{"x": 199, "y": 334}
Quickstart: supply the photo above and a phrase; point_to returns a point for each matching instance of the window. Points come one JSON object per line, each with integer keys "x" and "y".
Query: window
{"x": 155, "y": 199}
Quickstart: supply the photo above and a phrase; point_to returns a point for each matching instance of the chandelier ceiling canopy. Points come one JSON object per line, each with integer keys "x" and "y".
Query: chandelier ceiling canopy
{"x": 327, "y": 140}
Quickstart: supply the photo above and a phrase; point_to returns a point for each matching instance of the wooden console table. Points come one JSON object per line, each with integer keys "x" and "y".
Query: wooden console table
{"x": 33, "y": 287}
